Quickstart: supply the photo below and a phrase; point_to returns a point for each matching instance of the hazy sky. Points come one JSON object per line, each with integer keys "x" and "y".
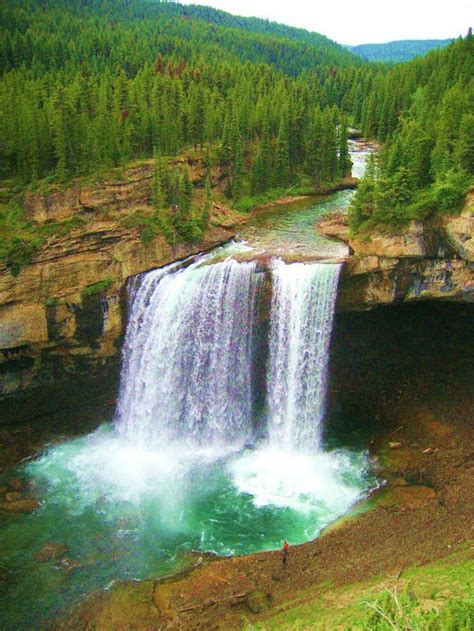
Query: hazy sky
{"x": 362, "y": 21}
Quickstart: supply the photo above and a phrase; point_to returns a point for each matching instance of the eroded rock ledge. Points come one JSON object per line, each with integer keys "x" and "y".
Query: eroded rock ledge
{"x": 428, "y": 260}
{"x": 62, "y": 318}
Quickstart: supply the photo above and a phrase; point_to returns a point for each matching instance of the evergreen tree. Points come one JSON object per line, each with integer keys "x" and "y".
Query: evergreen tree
{"x": 262, "y": 166}
{"x": 344, "y": 159}
{"x": 207, "y": 205}
{"x": 158, "y": 195}
{"x": 185, "y": 196}
{"x": 238, "y": 172}
{"x": 282, "y": 170}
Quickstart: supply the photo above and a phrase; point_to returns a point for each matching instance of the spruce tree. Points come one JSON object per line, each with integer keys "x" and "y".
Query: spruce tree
{"x": 207, "y": 205}
{"x": 238, "y": 172}
{"x": 344, "y": 159}
{"x": 158, "y": 195}
{"x": 282, "y": 170}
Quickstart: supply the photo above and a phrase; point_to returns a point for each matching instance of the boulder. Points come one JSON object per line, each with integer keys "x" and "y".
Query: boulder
{"x": 20, "y": 506}
{"x": 336, "y": 228}
{"x": 51, "y": 551}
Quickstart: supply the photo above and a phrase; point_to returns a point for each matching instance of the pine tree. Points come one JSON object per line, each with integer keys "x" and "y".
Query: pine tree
{"x": 282, "y": 168}
{"x": 158, "y": 195}
{"x": 344, "y": 159}
{"x": 238, "y": 172}
{"x": 185, "y": 196}
{"x": 207, "y": 205}
{"x": 329, "y": 170}
{"x": 464, "y": 150}
{"x": 262, "y": 165}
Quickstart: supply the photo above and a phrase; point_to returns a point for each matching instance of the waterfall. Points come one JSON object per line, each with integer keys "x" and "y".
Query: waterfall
{"x": 189, "y": 356}
{"x": 302, "y": 312}
{"x": 187, "y": 361}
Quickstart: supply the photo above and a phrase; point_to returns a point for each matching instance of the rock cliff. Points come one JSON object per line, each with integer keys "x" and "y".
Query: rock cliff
{"x": 62, "y": 317}
{"x": 427, "y": 260}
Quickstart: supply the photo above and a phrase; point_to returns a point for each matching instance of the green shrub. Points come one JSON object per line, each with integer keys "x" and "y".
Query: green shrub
{"x": 449, "y": 193}
{"x": 191, "y": 231}
{"x": 403, "y": 612}
{"x": 51, "y": 302}
{"x": 97, "y": 288}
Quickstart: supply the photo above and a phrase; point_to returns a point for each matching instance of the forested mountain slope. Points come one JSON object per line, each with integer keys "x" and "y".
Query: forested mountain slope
{"x": 398, "y": 51}
{"x": 89, "y": 85}
{"x": 423, "y": 112}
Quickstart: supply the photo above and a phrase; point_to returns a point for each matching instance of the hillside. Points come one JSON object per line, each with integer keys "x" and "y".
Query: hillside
{"x": 422, "y": 113}
{"x": 398, "y": 51}
{"x": 122, "y": 82}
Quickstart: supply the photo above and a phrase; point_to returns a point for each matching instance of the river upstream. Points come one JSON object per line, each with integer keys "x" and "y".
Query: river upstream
{"x": 218, "y": 443}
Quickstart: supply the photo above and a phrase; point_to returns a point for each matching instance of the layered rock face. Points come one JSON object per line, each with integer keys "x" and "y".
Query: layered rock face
{"x": 63, "y": 316}
{"x": 428, "y": 260}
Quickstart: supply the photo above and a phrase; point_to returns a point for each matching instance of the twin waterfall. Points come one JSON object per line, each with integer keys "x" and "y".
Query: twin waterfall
{"x": 193, "y": 349}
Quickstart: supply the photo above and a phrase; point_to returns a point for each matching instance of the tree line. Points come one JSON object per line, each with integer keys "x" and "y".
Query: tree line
{"x": 423, "y": 113}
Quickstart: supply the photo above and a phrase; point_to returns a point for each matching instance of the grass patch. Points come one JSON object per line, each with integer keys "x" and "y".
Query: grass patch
{"x": 97, "y": 288}
{"x": 435, "y": 597}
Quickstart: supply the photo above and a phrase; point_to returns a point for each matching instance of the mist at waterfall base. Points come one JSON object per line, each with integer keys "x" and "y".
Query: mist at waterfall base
{"x": 194, "y": 461}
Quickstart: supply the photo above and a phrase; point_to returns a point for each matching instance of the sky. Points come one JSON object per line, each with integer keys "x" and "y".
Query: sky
{"x": 361, "y": 21}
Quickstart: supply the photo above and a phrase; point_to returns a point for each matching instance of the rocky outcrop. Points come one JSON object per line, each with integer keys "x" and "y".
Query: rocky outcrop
{"x": 63, "y": 316}
{"x": 460, "y": 230}
{"x": 427, "y": 260}
{"x": 372, "y": 281}
{"x": 416, "y": 240}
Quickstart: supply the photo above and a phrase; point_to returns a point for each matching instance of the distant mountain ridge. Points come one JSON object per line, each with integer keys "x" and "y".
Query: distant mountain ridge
{"x": 398, "y": 51}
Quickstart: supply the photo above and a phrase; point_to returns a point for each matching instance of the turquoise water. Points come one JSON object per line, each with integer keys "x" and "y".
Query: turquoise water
{"x": 292, "y": 229}
{"x": 127, "y": 513}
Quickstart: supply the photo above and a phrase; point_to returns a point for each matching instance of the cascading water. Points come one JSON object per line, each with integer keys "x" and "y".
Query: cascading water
{"x": 303, "y": 302}
{"x": 176, "y": 472}
{"x": 187, "y": 372}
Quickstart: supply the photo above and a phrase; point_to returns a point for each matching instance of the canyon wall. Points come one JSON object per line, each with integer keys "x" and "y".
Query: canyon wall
{"x": 62, "y": 317}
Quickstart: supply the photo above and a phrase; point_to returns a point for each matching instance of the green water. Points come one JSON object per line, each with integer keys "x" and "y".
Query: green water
{"x": 292, "y": 229}
{"x": 126, "y": 513}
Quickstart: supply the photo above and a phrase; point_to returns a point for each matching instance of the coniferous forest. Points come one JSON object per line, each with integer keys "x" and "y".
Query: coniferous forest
{"x": 90, "y": 85}
{"x": 236, "y": 381}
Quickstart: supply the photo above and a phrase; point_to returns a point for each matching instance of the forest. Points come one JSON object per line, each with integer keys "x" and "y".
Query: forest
{"x": 423, "y": 113}
{"x": 86, "y": 86}
{"x": 398, "y": 51}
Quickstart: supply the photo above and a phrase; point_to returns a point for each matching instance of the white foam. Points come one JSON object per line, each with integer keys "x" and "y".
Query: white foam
{"x": 305, "y": 483}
